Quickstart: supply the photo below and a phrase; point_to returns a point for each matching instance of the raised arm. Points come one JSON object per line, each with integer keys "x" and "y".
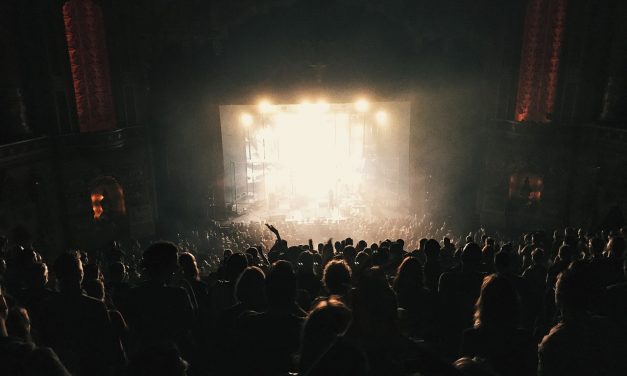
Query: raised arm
{"x": 276, "y": 233}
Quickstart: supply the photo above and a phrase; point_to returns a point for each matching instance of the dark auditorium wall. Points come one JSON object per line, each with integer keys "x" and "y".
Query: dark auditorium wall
{"x": 581, "y": 153}
{"x": 47, "y": 163}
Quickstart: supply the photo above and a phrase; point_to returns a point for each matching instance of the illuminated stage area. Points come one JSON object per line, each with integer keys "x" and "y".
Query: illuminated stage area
{"x": 316, "y": 160}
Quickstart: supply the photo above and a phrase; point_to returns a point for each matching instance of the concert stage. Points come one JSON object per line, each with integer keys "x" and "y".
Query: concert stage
{"x": 315, "y": 161}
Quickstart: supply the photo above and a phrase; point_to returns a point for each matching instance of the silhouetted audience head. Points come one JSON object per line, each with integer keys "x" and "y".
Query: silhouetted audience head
{"x": 160, "y": 260}
{"x": 235, "y": 265}
{"x": 317, "y": 263}
{"x": 68, "y": 270}
{"x": 281, "y": 284}
{"x": 37, "y": 275}
{"x": 381, "y": 256}
{"x": 249, "y": 259}
{"x": 361, "y": 245}
{"x": 565, "y": 253}
{"x": 188, "y": 264}
{"x": 18, "y": 324}
{"x": 432, "y": 249}
{"x": 338, "y": 246}
{"x": 250, "y": 287}
{"x": 292, "y": 254}
{"x": 471, "y": 256}
{"x": 349, "y": 254}
{"x": 497, "y": 307}
{"x": 422, "y": 243}
{"x": 502, "y": 262}
{"x": 362, "y": 258}
{"x": 396, "y": 249}
{"x": 337, "y": 277}
{"x": 254, "y": 252}
{"x": 326, "y": 321}
{"x": 227, "y": 253}
{"x": 305, "y": 262}
{"x": 91, "y": 271}
{"x": 328, "y": 247}
{"x": 117, "y": 272}
{"x": 409, "y": 276}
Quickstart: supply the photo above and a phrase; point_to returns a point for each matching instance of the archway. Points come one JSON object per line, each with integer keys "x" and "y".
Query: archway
{"x": 107, "y": 199}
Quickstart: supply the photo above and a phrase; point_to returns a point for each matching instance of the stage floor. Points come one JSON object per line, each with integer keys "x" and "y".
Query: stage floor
{"x": 314, "y": 212}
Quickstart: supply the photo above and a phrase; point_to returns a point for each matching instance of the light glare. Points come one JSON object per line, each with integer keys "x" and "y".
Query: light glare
{"x": 265, "y": 107}
{"x": 362, "y": 105}
{"x": 246, "y": 119}
{"x": 323, "y": 106}
{"x": 382, "y": 117}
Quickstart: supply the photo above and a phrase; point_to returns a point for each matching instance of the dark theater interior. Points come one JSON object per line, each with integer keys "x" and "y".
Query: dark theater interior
{"x": 313, "y": 187}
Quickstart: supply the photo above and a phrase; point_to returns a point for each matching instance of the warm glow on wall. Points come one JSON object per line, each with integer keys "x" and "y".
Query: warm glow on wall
{"x": 526, "y": 186}
{"x": 96, "y": 204}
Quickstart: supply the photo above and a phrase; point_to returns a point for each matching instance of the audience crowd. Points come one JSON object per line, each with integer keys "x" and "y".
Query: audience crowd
{"x": 389, "y": 297}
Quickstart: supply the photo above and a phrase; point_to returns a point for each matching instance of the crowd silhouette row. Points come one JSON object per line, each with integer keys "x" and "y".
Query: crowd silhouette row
{"x": 242, "y": 300}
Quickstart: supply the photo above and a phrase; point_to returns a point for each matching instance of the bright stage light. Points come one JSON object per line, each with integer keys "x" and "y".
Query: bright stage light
{"x": 304, "y": 106}
{"x": 246, "y": 119}
{"x": 323, "y": 106}
{"x": 362, "y": 105}
{"x": 382, "y": 117}
{"x": 265, "y": 107}
{"x": 292, "y": 167}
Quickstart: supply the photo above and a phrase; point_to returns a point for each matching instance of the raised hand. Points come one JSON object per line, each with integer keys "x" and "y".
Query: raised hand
{"x": 272, "y": 229}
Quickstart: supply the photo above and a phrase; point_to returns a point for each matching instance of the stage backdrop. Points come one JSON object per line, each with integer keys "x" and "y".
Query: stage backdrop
{"x": 316, "y": 160}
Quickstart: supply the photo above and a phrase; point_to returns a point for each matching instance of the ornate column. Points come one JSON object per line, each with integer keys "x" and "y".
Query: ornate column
{"x": 85, "y": 35}
{"x": 540, "y": 60}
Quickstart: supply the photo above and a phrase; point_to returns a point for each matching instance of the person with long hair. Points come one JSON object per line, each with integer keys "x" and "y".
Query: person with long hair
{"x": 418, "y": 315}
{"x": 496, "y": 335}
{"x": 325, "y": 325}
